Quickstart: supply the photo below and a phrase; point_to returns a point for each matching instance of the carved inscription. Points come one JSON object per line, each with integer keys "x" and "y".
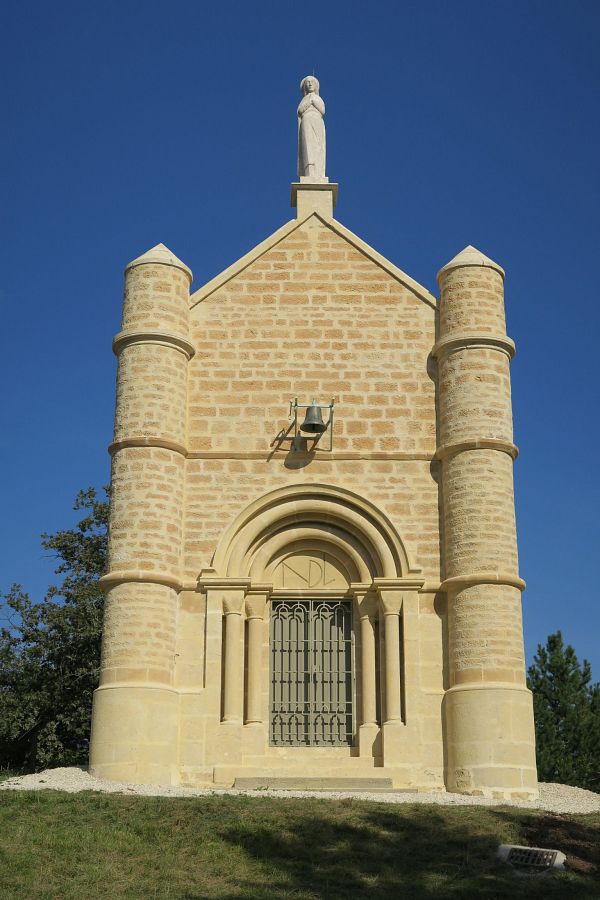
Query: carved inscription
{"x": 310, "y": 569}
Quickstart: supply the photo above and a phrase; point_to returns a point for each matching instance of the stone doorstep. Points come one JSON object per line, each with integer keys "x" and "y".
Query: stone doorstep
{"x": 299, "y": 783}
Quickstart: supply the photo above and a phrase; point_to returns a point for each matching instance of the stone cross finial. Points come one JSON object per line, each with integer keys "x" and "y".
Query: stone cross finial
{"x": 311, "y": 132}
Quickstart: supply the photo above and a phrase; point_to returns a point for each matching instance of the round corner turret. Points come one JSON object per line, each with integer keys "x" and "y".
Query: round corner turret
{"x": 470, "y": 256}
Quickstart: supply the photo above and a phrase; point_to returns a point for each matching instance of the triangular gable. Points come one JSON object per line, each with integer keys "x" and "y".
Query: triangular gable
{"x": 231, "y": 271}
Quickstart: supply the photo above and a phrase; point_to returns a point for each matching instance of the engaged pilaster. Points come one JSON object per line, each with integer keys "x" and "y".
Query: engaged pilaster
{"x": 398, "y": 610}
{"x": 233, "y": 685}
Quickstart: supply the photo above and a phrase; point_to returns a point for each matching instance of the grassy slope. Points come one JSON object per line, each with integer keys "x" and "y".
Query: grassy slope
{"x": 91, "y": 845}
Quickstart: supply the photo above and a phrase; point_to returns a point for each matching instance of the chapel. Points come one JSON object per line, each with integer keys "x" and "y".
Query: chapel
{"x": 313, "y": 575}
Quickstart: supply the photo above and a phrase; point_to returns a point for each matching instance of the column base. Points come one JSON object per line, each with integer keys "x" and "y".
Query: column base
{"x": 134, "y": 734}
{"x": 400, "y": 744}
{"x": 255, "y": 738}
{"x": 229, "y": 743}
{"x": 369, "y": 740}
{"x": 491, "y": 741}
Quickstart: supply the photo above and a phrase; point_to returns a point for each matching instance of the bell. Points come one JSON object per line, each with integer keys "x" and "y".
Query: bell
{"x": 313, "y": 421}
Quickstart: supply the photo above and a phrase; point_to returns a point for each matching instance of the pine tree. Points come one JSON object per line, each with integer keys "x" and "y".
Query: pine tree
{"x": 567, "y": 716}
{"x": 50, "y": 656}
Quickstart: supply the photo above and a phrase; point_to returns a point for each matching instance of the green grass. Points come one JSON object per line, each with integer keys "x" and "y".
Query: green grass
{"x": 55, "y": 845}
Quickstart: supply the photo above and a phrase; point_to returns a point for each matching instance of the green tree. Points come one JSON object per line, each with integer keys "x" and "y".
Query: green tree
{"x": 50, "y": 656}
{"x": 566, "y": 708}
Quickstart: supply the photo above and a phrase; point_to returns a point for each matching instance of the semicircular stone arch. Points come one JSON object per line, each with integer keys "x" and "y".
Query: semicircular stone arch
{"x": 336, "y": 533}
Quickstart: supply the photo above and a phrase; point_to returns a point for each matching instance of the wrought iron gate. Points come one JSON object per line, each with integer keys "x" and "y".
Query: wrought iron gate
{"x": 311, "y": 672}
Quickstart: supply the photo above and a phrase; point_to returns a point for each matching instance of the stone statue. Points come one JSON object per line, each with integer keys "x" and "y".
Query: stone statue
{"x": 311, "y": 132}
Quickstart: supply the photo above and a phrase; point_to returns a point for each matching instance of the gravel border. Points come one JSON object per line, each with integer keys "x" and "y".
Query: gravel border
{"x": 555, "y": 798}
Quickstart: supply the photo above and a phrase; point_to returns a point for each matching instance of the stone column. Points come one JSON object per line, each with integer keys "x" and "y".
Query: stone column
{"x": 135, "y": 716}
{"x": 233, "y": 682}
{"x": 368, "y": 731}
{"x": 391, "y": 605}
{"x": 490, "y": 735}
{"x": 256, "y": 604}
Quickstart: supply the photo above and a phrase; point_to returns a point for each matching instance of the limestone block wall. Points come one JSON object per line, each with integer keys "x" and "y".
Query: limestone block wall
{"x": 314, "y": 317}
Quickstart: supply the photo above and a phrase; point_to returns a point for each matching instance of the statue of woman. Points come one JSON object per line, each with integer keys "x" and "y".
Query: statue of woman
{"x": 311, "y": 131}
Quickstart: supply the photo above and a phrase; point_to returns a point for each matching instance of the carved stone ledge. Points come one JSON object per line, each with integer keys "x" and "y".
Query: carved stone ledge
{"x": 162, "y": 338}
{"x": 161, "y": 443}
{"x": 459, "y": 582}
{"x": 467, "y": 340}
{"x": 144, "y": 576}
{"x": 477, "y": 444}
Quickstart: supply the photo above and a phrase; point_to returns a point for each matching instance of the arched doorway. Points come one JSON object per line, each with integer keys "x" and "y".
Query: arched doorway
{"x": 315, "y": 584}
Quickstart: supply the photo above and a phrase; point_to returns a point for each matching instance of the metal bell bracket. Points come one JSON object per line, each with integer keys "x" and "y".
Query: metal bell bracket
{"x": 295, "y": 406}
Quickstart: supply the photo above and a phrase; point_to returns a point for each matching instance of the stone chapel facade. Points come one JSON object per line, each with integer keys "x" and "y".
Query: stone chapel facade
{"x": 344, "y": 605}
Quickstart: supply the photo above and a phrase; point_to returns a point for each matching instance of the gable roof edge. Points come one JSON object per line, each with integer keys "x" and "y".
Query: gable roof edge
{"x": 421, "y": 292}
{"x": 273, "y": 239}
{"x": 243, "y": 262}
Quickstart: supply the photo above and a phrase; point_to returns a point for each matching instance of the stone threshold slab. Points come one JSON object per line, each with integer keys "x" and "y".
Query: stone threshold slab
{"x": 313, "y": 784}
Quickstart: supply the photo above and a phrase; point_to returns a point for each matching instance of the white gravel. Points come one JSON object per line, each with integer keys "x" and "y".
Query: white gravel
{"x": 556, "y": 798}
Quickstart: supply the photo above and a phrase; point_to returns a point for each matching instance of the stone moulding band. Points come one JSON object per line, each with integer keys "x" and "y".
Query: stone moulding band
{"x": 459, "y": 582}
{"x": 162, "y": 338}
{"x": 463, "y": 340}
{"x": 203, "y": 583}
{"x": 164, "y": 444}
{"x": 325, "y": 457}
{"x": 477, "y": 444}
{"x": 161, "y": 443}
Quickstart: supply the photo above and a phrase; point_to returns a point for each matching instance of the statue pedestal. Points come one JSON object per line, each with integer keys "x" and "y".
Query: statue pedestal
{"x": 314, "y": 196}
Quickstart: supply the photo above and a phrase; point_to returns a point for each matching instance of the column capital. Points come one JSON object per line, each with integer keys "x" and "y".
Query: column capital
{"x": 233, "y": 602}
{"x": 365, "y": 597}
{"x": 256, "y": 600}
{"x": 391, "y": 602}
{"x": 392, "y": 591}
{"x": 210, "y": 582}
{"x": 398, "y": 584}
{"x": 229, "y": 591}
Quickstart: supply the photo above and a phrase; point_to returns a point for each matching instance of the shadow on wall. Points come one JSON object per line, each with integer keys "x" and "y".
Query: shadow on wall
{"x": 301, "y": 450}
{"x": 300, "y": 454}
{"x": 353, "y": 849}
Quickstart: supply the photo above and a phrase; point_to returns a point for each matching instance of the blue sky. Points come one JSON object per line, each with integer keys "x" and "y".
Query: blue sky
{"x": 131, "y": 123}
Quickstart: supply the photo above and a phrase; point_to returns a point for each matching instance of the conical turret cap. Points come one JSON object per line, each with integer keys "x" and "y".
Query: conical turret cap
{"x": 471, "y": 256}
{"x": 160, "y": 255}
